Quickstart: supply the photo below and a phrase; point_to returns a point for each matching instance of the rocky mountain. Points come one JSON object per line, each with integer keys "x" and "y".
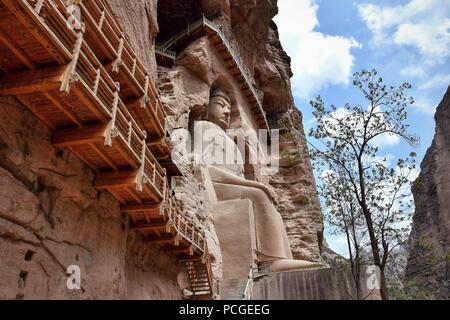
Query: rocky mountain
{"x": 428, "y": 268}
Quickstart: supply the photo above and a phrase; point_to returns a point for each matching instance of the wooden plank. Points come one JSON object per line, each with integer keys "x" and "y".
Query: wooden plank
{"x": 85, "y": 94}
{"x": 26, "y": 102}
{"x": 18, "y": 52}
{"x": 83, "y": 158}
{"x": 102, "y": 155}
{"x": 161, "y": 240}
{"x": 149, "y": 226}
{"x": 190, "y": 259}
{"x": 132, "y": 192}
{"x": 117, "y": 179}
{"x": 116, "y": 195}
{"x": 64, "y": 109}
{"x": 181, "y": 249}
{"x": 79, "y": 136}
{"x": 141, "y": 208}
{"x": 33, "y": 81}
{"x": 41, "y": 32}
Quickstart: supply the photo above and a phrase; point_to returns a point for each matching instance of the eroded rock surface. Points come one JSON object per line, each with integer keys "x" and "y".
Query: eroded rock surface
{"x": 429, "y": 258}
{"x": 51, "y": 216}
{"x": 185, "y": 87}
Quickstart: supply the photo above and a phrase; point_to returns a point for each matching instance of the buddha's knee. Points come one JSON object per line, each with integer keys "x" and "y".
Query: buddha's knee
{"x": 258, "y": 195}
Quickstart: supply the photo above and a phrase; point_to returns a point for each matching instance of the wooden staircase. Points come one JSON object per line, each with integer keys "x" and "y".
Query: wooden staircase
{"x": 91, "y": 90}
{"x": 200, "y": 278}
{"x": 233, "y": 62}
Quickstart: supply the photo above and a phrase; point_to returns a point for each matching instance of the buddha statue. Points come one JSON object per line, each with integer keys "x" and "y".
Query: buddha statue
{"x": 227, "y": 183}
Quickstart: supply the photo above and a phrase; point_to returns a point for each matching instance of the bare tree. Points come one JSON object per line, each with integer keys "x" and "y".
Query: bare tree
{"x": 347, "y": 139}
{"x": 342, "y": 213}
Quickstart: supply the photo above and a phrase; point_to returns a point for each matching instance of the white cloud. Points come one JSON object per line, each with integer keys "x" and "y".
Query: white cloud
{"x": 439, "y": 80}
{"x": 386, "y": 140}
{"x": 318, "y": 60}
{"x": 422, "y": 24}
{"x": 412, "y": 71}
{"x": 424, "y": 105}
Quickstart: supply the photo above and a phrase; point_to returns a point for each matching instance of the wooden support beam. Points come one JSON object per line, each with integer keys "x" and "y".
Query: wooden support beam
{"x": 40, "y": 31}
{"x": 117, "y": 179}
{"x": 18, "y": 52}
{"x": 102, "y": 155}
{"x": 27, "y": 82}
{"x": 26, "y": 102}
{"x": 161, "y": 240}
{"x": 181, "y": 249}
{"x": 193, "y": 258}
{"x": 63, "y": 108}
{"x": 132, "y": 192}
{"x": 136, "y": 208}
{"x": 161, "y": 226}
{"x": 79, "y": 136}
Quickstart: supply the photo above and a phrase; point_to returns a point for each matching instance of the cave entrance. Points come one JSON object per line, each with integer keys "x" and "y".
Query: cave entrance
{"x": 174, "y": 16}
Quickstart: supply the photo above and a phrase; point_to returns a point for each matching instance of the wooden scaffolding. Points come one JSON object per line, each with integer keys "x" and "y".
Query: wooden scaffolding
{"x": 90, "y": 88}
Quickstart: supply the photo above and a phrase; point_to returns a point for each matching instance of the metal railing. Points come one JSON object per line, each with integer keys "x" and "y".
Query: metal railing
{"x": 159, "y": 49}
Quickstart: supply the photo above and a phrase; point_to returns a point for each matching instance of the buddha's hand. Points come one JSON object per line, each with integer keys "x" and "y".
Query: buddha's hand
{"x": 273, "y": 195}
{"x": 269, "y": 191}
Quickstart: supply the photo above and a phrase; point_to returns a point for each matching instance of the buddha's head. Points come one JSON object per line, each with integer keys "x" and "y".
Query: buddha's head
{"x": 219, "y": 108}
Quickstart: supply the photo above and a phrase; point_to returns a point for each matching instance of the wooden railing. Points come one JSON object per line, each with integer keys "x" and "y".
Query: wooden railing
{"x": 71, "y": 50}
{"x": 183, "y": 226}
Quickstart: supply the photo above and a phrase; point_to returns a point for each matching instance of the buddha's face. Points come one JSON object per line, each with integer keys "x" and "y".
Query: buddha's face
{"x": 219, "y": 111}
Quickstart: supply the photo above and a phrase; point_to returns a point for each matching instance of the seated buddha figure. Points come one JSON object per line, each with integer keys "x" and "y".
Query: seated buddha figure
{"x": 211, "y": 149}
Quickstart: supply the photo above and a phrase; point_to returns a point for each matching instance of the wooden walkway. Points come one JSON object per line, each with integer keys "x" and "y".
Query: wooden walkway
{"x": 89, "y": 87}
{"x": 235, "y": 65}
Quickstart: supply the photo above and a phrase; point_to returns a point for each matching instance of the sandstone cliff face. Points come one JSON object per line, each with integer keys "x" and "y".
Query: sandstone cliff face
{"x": 429, "y": 256}
{"x": 51, "y": 216}
{"x": 184, "y": 89}
{"x": 295, "y": 185}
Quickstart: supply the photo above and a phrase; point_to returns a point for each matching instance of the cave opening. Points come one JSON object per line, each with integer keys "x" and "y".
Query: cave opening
{"x": 175, "y": 16}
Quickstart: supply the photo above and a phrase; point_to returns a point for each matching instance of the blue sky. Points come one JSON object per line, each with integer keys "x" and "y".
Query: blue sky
{"x": 405, "y": 40}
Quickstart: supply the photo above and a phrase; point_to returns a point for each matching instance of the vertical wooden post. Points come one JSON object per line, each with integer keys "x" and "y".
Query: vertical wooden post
{"x": 130, "y": 132}
{"x": 71, "y": 68}
{"x": 102, "y": 20}
{"x": 146, "y": 98}
{"x": 133, "y": 71}
{"x": 38, "y": 6}
{"x": 163, "y": 205}
{"x": 154, "y": 175}
{"x": 118, "y": 61}
{"x": 97, "y": 81}
{"x": 139, "y": 185}
{"x": 112, "y": 123}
